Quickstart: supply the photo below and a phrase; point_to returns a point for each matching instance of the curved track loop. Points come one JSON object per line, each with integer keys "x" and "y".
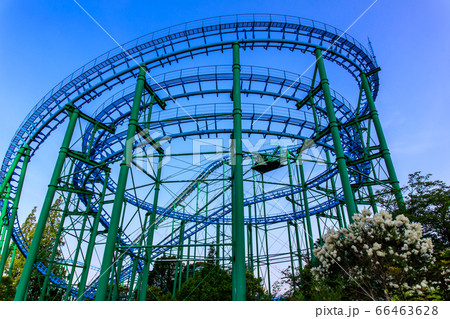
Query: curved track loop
{"x": 186, "y": 41}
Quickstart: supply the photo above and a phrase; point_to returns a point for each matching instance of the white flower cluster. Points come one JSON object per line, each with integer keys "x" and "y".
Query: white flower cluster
{"x": 378, "y": 250}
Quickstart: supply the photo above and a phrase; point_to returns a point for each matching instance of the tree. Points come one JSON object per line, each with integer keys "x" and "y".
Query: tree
{"x": 304, "y": 286}
{"x": 378, "y": 258}
{"x": 28, "y": 228}
{"x": 161, "y": 277}
{"x": 428, "y": 203}
{"x": 213, "y": 283}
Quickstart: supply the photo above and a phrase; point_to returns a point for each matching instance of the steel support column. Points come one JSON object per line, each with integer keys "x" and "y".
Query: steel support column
{"x": 116, "y": 212}
{"x": 151, "y": 232}
{"x": 91, "y": 244}
{"x": 340, "y": 158}
{"x": 238, "y": 228}
{"x": 382, "y": 140}
{"x": 12, "y": 217}
{"x": 43, "y": 217}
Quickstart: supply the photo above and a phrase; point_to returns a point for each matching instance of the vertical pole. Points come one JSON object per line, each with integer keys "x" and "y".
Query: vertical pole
{"x": 111, "y": 239}
{"x": 333, "y": 191}
{"x": 117, "y": 275}
{"x": 151, "y": 231}
{"x": 137, "y": 258}
{"x": 266, "y": 240}
{"x": 179, "y": 265}
{"x": 308, "y": 216}
{"x": 78, "y": 248}
{"x": 43, "y": 217}
{"x": 238, "y": 232}
{"x": 291, "y": 182}
{"x": 340, "y": 158}
{"x": 54, "y": 250}
{"x": 11, "y": 169}
{"x": 91, "y": 244}
{"x": 256, "y": 225}
{"x": 13, "y": 257}
{"x": 301, "y": 199}
{"x": 250, "y": 241}
{"x": 382, "y": 140}
{"x": 12, "y": 217}
{"x": 206, "y": 216}
{"x": 3, "y": 217}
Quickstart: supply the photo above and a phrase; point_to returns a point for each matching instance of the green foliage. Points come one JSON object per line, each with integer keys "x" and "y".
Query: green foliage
{"x": 428, "y": 203}
{"x": 210, "y": 283}
{"x": 7, "y": 289}
{"x": 155, "y": 293}
{"x": 303, "y": 286}
{"x": 162, "y": 275}
{"x": 28, "y": 228}
{"x": 213, "y": 283}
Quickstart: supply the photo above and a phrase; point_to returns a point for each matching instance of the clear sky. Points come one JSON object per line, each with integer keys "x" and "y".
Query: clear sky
{"x": 44, "y": 41}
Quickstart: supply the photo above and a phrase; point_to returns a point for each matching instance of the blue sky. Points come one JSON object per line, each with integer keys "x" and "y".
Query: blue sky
{"x": 44, "y": 41}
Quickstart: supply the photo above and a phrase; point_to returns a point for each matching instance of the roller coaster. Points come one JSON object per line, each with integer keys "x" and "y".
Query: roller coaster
{"x": 172, "y": 148}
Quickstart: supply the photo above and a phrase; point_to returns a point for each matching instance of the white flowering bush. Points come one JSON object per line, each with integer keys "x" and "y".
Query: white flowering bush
{"x": 377, "y": 258}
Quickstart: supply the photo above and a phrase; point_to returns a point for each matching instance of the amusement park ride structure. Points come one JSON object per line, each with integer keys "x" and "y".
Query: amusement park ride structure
{"x": 168, "y": 154}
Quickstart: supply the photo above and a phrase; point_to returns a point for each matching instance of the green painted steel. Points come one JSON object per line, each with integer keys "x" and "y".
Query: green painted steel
{"x": 12, "y": 168}
{"x": 4, "y": 226}
{"x": 340, "y": 157}
{"x": 77, "y": 250}
{"x": 111, "y": 239}
{"x": 309, "y": 234}
{"x": 151, "y": 232}
{"x": 91, "y": 244}
{"x": 54, "y": 249}
{"x": 15, "y": 207}
{"x": 13, "y": 258}
{"x": 21, "y": 291}
{"x": 139, "y": 228}
{"x": 238, "y": 228}
{"x": 382, "y": 140}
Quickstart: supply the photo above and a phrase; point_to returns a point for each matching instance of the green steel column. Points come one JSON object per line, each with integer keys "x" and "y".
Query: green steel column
{"x": 118, "y": 273}
{"x": 217, "y": 242}
{"x": 266, "y": 239}
{"x": 91, "y": 244}
{"x": 13, "y": 257}
{"x": 116, "y": 212}
{"x": 258, "y": 272}
{"x": 382, "y": 140}
{"x": 3, "y": 217}
{"x": 151, "y": 232}
{"x": 301, "y": 199}
{"x": 333, "y": 188}
{"x": 54, "y": 249}
{"x": 206, "y": 228}
{"x": 223, "y": 205}
{"x": 291, "y": 182}
{"x": 11, "y": 169}
{"x": 340, "y": 158}
{"x": 250, "y": 241}
{"x": 12, "y": 217}
{"x": 43, "y": 217}
{"x": 238, "y": 240}
{"x": 57, "y": 241}
{"x": 77, "y": 250}
{"x": 136, "y": 259}
{"x": 305, "y": 202}
{"x": 179, "y": 265}
{"x": 299, "y": 248}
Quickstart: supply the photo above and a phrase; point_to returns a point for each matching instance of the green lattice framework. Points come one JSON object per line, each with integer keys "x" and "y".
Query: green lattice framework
{"x": 172, "y": 146}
